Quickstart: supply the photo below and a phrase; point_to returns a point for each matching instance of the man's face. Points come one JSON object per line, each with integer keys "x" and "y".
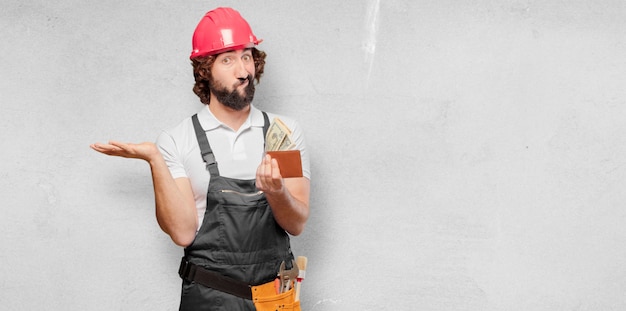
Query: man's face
{"x": 232, "y": 77}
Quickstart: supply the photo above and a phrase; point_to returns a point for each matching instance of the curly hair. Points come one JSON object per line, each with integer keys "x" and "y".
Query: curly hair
{"x": 202, "y": 73}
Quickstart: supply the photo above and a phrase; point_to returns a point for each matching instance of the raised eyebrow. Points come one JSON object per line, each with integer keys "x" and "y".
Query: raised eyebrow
{"x": 231, "y": 52}
{"x": 225, "y": 55}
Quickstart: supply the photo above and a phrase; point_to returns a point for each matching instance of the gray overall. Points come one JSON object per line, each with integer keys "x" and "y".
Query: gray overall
{"x": 239, "y": 237}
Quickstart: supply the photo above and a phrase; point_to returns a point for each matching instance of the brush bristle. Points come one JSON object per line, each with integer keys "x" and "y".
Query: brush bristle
{"x": 301, "y": 262}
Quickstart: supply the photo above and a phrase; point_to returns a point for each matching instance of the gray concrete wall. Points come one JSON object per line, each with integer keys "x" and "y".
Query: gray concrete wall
{"x": 465, "y": 155}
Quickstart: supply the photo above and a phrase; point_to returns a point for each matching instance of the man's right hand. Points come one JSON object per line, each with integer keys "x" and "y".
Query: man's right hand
{"x": 145, "y": 151}
{"x": 175, "y": 206}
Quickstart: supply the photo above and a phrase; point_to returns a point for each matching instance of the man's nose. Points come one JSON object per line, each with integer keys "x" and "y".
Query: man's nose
{"x": 241, "y": 71}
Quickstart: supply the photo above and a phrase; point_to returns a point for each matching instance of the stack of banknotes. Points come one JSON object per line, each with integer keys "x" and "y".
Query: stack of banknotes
{"x": 278, "y": 137}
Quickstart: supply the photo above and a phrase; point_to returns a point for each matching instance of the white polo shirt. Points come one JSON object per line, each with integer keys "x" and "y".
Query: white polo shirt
{"x": 238, "y": 153}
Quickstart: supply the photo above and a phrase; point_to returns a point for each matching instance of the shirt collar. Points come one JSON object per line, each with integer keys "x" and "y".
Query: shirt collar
{"x": 210, "y": 122}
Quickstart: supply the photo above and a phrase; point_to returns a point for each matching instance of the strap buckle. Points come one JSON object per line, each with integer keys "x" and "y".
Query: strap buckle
{"x": 209, "y": 159}
{"x": 187, "y": 270}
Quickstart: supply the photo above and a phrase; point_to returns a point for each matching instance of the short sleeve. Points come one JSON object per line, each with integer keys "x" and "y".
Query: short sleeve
{"x": 171, "y": 155}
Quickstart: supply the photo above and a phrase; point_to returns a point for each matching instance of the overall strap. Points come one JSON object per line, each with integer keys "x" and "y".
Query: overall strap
{"x": 205, "y": 147}
{"x": 266, "y": 126}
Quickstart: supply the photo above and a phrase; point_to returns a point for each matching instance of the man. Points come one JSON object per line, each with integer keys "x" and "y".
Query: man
{"x": 217, "y": 193}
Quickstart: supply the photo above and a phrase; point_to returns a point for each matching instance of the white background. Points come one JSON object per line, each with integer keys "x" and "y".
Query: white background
{"x": 465, "y": 155}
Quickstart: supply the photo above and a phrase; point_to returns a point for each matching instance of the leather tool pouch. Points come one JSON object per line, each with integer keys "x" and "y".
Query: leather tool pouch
{"x": 265, "y": 298}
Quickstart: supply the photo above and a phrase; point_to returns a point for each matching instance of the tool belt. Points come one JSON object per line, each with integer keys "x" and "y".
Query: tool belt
{"x": 263, "y": 296}
{"x": 191, "y": 272}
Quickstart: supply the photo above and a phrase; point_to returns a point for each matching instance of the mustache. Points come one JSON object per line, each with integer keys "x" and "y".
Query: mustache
{"x": 243, "y": 80}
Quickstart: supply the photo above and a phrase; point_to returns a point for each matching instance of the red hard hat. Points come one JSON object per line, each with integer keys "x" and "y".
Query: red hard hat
{"x": 220, "y": 30}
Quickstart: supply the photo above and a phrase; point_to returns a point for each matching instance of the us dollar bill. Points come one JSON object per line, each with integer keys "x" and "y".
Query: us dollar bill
{"x": 287, "y": 144}
{"x": 278, "y": 136}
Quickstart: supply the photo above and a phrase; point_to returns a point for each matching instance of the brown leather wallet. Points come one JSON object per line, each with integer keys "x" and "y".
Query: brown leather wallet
{"x": 289, "y": 162}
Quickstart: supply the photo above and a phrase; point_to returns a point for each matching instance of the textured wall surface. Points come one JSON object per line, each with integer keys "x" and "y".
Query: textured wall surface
{"x": 465, "y": 155}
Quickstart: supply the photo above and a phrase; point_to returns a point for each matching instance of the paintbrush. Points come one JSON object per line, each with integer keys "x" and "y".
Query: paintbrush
{"x": 301, "y": 262}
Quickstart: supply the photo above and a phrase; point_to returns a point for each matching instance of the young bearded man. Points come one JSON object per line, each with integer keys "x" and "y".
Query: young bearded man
{"x": 217, "y": 193}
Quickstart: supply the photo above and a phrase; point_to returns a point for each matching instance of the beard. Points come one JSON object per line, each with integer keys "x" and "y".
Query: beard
{"x": 233, "y": 99}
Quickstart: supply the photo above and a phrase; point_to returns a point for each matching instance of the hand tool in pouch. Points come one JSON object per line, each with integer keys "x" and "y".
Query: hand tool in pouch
{"x": 301, "y": 262}
{"x": 287, "y": 276}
